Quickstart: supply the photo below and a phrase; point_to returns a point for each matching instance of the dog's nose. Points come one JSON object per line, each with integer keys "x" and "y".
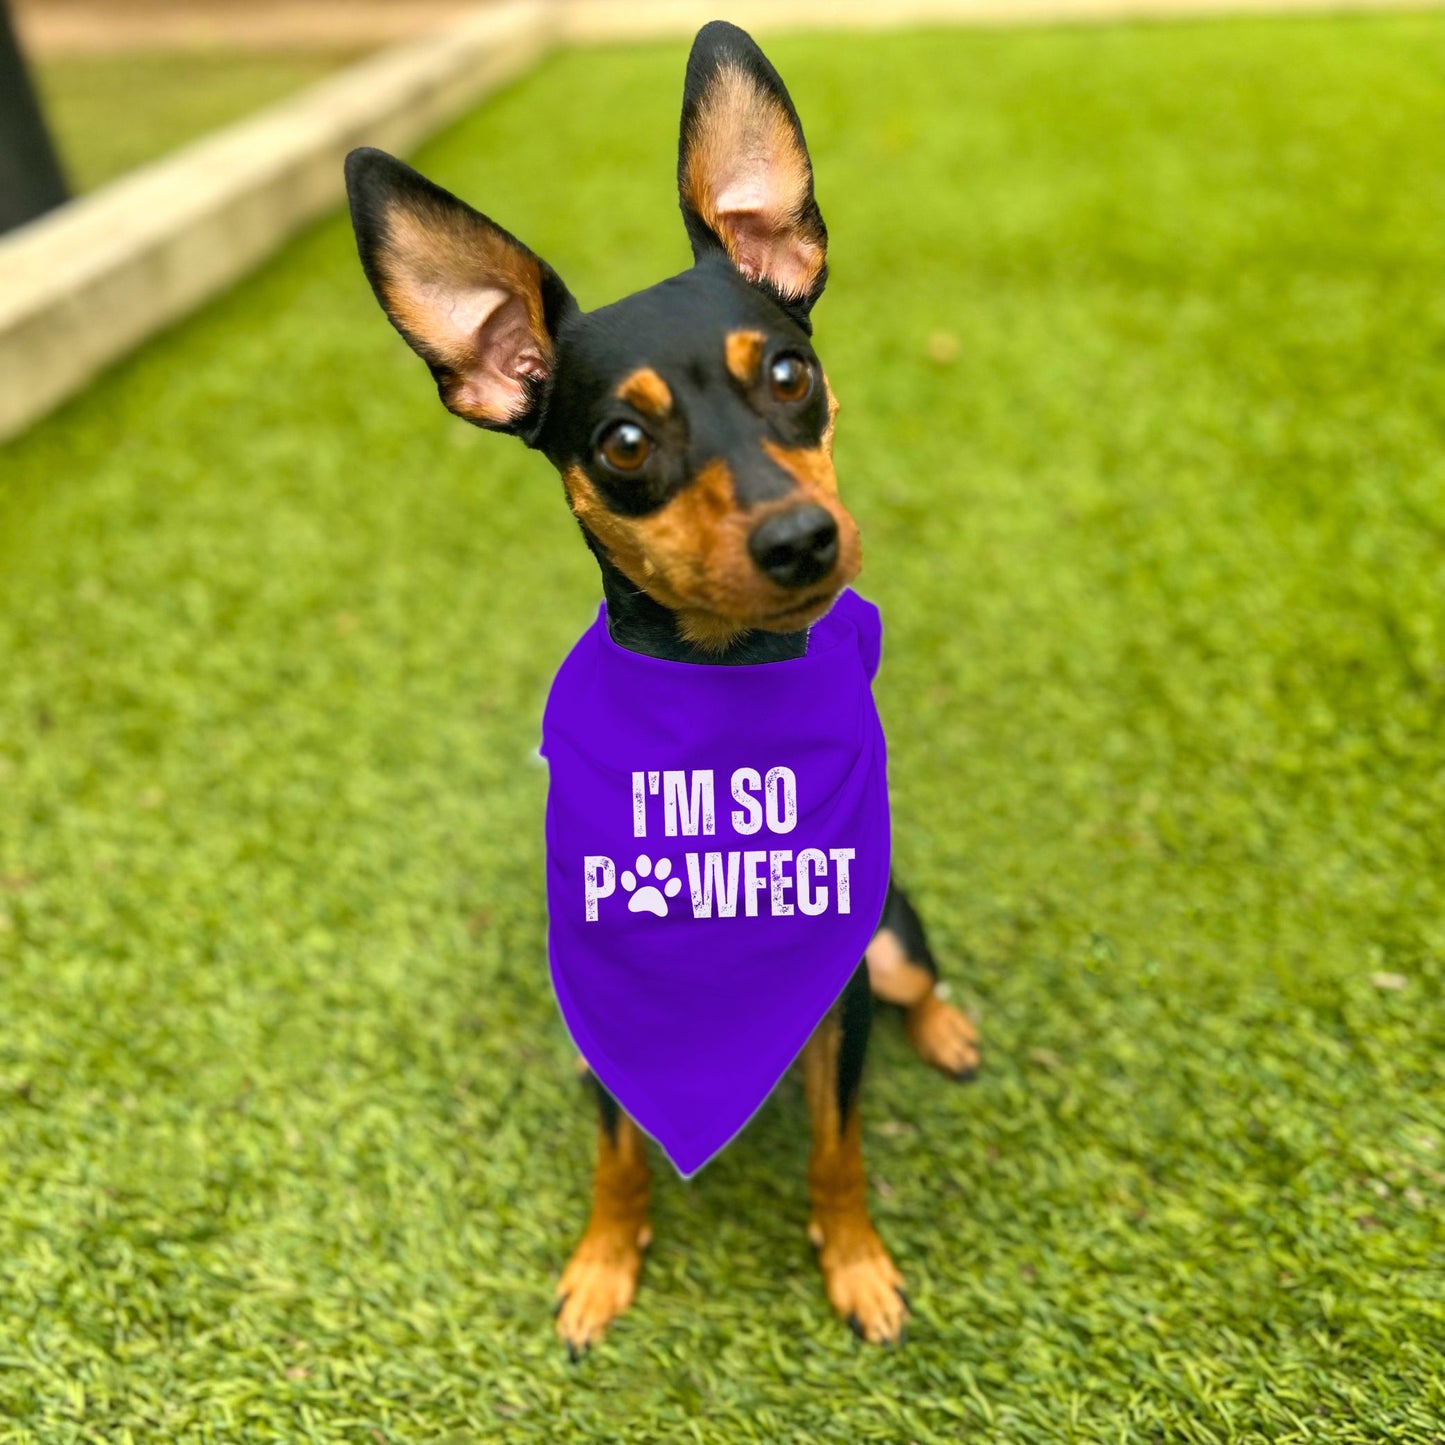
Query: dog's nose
{"x": 796, "y": 547}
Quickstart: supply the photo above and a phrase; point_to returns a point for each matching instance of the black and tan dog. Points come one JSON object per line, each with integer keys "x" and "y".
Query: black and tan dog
{"x": 692, "y": 425}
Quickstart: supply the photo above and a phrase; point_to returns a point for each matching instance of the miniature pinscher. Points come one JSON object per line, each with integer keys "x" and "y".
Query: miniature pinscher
{"x": 692, "y": 425}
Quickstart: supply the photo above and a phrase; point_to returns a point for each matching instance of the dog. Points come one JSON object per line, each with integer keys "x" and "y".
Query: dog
{"x": 692, "y": 426}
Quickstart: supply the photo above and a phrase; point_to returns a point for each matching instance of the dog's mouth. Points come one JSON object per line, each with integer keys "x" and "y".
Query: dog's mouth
{"x": 802, "y": 613}
{"x": 709, "y": 580}
{"x": 716, "y": 630}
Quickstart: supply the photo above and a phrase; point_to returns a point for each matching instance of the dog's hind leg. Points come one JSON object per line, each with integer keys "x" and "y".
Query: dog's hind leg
{"x": 601, "y": 1277}
{"x": 902, "y": 971}
{"x": 862, "y": 1282}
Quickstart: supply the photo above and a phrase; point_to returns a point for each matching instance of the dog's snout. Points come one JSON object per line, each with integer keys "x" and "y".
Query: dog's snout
{"x": 796, "y": 547}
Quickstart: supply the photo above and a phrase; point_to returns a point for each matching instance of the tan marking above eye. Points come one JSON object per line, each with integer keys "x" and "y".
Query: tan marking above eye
{"x": 646, "y": 391}
{"x": 744, "y": 352}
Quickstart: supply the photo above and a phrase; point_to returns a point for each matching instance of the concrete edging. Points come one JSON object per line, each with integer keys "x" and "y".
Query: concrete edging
{"x": 598, "y": 22}
{"x": 85, "y": 284}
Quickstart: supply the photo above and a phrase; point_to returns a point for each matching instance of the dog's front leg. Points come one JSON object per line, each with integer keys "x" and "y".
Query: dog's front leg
{"x": 862, "y": 1283}
{"x": 601, "y": 1277}
{"x": 902, "y": 971}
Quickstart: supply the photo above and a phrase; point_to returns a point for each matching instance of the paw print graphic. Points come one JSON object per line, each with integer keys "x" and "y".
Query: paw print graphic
{"x": 649, "y": 897}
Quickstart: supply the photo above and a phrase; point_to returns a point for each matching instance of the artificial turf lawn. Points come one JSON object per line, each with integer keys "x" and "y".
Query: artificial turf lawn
{"x": 110, "y": 113}
{"x": 292, "y": 1144}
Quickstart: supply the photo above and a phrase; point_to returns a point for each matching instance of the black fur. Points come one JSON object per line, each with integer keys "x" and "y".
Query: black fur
{"x": 855, "y": 1010}
{"x": 901, "y": 918}
{"x": 607, "y": 1107}
{"x": 677, "y": 327}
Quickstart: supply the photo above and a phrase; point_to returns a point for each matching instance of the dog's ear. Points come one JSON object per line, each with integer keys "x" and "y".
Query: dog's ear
{"x": 743, "y": 172}
{"x": 471, "y": 300}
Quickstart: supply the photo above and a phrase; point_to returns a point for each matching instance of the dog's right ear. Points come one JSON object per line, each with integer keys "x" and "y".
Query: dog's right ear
{"x": 471, "y": 300}
{"x": 744, "y": 177}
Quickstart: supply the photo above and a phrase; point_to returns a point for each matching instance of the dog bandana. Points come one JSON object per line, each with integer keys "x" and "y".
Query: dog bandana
{"x": 717, "y": 860}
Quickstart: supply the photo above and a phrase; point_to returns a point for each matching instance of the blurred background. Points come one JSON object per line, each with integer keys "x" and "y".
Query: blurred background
{"x": 123, "y": 81}
{"x": 1138, "y": 328}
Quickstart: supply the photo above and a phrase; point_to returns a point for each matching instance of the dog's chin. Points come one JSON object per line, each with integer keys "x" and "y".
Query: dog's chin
{"x": 798, "y": 615}
{"x": 715, "y": 631}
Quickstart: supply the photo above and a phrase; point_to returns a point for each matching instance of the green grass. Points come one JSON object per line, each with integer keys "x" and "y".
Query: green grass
{"x": 292, "y": 1146}
{"x": 111, "y": 113}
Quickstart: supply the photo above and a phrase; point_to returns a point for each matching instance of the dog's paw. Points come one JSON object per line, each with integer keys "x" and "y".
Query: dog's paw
{"x": 862, "y": 1282}
{"x": 943, "y": 1036}
{"x": 598, "y": 1284}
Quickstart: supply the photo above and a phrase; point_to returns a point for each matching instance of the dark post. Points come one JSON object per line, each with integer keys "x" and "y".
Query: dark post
{"x": 31, "y": 181}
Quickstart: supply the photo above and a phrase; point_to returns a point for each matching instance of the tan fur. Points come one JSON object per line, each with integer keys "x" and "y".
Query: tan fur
{"x": 646, "y": 391}
{"x": 744, "y": 352}
{"x": 428, "y": 249}
{"x": 832, "y": 425}
{"x": 892, "y": 975}
{"x": 943, "y": 1036}
{"x": 692, "y": 555}
{"x": 810, "y": 467}
{"x": 743, "y": 158}
{"x": 600, "y": 1279}
{"x": 862, "y": 1283}
{"x": 434, "y": 264}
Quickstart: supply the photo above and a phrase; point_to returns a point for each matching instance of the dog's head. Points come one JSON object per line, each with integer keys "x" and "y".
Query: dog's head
{"x": 691, "y": 422}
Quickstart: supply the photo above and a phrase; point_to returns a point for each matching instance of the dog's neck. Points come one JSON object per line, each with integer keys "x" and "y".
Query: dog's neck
{"x": 640, "y": 624}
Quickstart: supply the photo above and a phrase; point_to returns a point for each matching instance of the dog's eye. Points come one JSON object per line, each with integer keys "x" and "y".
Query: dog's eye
{"x": 624, "y": 447}
{"x": 790, "y": 377}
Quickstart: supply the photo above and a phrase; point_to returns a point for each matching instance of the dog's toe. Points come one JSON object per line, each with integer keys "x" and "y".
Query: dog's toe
{"x": 945, "y": 1037}
{"x": 864, "y": 1286}
{"x": 598, "y": 1284}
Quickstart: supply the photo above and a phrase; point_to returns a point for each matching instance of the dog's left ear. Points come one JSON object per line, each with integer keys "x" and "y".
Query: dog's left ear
{"x": 743, "y": 173}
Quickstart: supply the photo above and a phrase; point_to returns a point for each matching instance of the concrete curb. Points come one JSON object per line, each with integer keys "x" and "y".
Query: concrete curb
{"x": 104, "y": 27}
{"x": 595, "y": 22}
{"x": 87, "y": 283}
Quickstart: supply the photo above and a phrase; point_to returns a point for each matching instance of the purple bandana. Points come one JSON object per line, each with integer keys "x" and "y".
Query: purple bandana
{"x": 717, "y": 859}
